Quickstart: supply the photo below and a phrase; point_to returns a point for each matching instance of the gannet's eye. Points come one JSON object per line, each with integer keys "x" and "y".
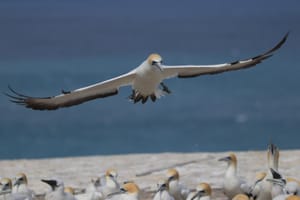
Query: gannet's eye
{"x": 154, "y": 62}
{"x": 123, "y": 190}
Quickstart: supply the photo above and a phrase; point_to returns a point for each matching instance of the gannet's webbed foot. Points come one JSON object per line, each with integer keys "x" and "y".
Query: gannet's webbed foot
{"x": 165, "y": 88}
{"x": 136, "y": 97}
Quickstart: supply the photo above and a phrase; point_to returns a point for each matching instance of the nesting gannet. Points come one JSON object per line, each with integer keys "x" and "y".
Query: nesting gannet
{"x": 21, "y": 186}
{"x": 146, "y": 81}
{"x": 292, "y": 186}
{"x": 256, "y": 187}
{"x": 265, "y": 187}
{"x": 281, "y": 187}
{"x": 163, "y": 191}
{"x": 232, "y": 184}
{"x": 57, "y": 190}
{"x": 203, "y": 192}
{"x": 6, "y": 189}
{"x": 6, "y": 185}
{"x": 176, "y": 188}
{"x": 129, "y": 191}
{"x": 109, "y": 184}
{"x": 240, "y": 197}
{"x": 93, "y": 191}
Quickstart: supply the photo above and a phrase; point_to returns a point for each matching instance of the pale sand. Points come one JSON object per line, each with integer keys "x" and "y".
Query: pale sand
{"x": 77, "y": 171}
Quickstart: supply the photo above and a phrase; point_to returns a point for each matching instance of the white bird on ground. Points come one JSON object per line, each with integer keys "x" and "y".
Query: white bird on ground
{"x": 265, "y": 187}
{"x": 92, "y": 192}
{"x": 233, "y": 184}
{"x": 57, "y": 190}
{"x": 176, "y": 188}
{"x": 6, "y": 189}
{"x": 203, "y": 192}
{"x": 292, "y": 186}
{"x": 281, "y": 188}
{"x": 21, "y": 186}
{"x": 101, "y": 187}
{"x": 6, "y": 186}
{"x": 109, "y": 183}
{"x": 146, "y": 81}
{"x": 163, "y": 191}
{"x": 256, "y": 187}
{"x": 129, "y": 191}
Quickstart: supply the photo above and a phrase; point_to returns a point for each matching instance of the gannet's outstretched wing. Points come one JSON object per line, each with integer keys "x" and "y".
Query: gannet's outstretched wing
{"x": 187, "y": 71}
{"x": 100, "y": 90}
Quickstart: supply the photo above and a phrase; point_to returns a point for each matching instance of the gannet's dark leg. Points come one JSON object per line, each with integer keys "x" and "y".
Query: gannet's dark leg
{"x": 165, "y": 88}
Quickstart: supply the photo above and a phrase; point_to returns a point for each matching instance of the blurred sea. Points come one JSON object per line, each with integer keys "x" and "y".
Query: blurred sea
{"x": 46, "y": 46}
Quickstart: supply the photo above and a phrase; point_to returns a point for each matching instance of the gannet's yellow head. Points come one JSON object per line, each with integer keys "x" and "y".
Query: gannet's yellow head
{"x": 260, "y": 176}
{"x": 21, "y": 178}
{"x": 162, "y": 185}
{"x": 293, "y": 197}
{"x": 231, "y": 159}
{"x": 154, "y": 58}
{"x": 204, "y": 189}
{"x": 240, "y": 197}
{"x": 130, "y": 188}
{"x": 172, "y": 174}
{"x": 112, "y": 173}
{"x": 6, "y": 184}
{"x": 69, "y": 190}
{"x": 290, "y": 179}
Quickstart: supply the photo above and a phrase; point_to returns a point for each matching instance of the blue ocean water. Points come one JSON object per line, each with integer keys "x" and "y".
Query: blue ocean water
{"x": 46, "y": 46}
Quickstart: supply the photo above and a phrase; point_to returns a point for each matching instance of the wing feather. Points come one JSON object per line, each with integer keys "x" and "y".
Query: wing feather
{"x": 66, "y": 99}
{"x": 187, "y": 71}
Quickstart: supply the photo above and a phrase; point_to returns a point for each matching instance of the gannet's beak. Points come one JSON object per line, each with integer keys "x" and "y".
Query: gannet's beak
{"x": 162, "y": 187}
{"x": 198, "y": 194}
{"x": 121, "y": 191}
{"x": 159, "y": 66}
{"x": 225, "y": 159}
{"x": 17, "y": 182}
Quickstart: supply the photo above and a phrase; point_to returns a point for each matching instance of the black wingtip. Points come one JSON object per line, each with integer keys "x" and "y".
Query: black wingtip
{"x": 17, "y": 93}
{"x": 282, "y": 41}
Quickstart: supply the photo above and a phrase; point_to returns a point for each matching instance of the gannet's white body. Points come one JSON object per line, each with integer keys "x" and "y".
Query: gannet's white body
{"x": 176, "y": 188}
{"x": 232, "y": 183}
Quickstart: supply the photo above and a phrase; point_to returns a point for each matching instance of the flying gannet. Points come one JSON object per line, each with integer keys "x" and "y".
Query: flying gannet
{"x": 146, "y": 81}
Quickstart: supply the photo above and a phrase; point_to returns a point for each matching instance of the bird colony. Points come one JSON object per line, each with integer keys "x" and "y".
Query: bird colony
{"x": 267, "y": 185}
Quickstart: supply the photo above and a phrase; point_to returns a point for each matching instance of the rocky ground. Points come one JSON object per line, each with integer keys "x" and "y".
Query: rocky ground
{"x": 147, "y": 169}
